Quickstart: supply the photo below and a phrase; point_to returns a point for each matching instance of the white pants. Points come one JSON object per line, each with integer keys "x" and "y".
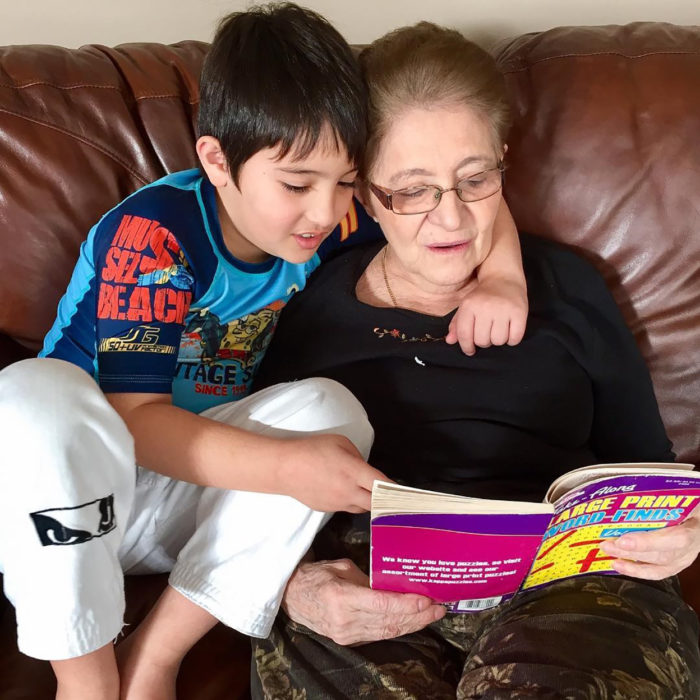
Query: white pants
{"x": 76, "y": 512}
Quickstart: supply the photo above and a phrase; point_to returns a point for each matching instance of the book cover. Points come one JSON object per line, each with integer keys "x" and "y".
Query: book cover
{"x": 607, "y": 508}
{"x": 473, "y": 554}
{"x": 473, "y": 560}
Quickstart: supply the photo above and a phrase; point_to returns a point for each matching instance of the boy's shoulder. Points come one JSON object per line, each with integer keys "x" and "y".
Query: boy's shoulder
{"x": 163, "y": 197}
{"x": 356, "y": 227}
{"x": 178, "y": 204}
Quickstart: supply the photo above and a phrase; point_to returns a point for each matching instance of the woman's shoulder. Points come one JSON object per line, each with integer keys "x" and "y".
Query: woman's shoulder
{"x": 559, "y": 268}
{"x": 346, "y": 266}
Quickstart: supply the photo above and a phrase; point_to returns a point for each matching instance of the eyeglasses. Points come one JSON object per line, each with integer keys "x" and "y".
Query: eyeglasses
{"x": 424, "y": 198}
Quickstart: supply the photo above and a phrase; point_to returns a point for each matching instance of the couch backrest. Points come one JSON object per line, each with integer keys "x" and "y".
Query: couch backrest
{"x": 79, "y": 131}
{"x": 604, "y": 156}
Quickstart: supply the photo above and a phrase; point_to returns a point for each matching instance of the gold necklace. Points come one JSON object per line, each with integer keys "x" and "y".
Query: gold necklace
{"x": 386, "y": 279}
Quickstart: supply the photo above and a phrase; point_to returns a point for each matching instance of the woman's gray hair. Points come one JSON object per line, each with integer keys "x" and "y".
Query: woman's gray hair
{"x": 425, "y": 65}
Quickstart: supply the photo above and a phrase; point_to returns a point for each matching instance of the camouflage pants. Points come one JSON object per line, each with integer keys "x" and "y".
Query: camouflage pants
{"x": 607, "y": 637}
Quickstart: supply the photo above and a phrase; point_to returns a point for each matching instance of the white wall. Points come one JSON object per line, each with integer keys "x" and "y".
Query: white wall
{"x": 75, "y": 22}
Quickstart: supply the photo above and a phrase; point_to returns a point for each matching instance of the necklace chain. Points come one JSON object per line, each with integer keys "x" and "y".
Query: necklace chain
{"x": 386, "y": 278}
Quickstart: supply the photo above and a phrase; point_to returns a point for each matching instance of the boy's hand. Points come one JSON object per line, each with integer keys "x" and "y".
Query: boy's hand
{"x": 495, "y": 313}
{"x": 656, "y": 554}
{"x": 327, "y": 473}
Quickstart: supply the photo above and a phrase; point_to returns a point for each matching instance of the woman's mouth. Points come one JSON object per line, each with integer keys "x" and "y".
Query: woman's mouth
{"x": 447, "y": 248}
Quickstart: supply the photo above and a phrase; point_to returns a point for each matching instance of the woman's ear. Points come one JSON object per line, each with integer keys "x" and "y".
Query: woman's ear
{"x": 213, "y": 160}
{"x": 363, "y": 194}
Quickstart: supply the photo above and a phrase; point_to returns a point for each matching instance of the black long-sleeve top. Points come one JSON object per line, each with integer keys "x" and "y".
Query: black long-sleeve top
{"x": 502, "y": 423}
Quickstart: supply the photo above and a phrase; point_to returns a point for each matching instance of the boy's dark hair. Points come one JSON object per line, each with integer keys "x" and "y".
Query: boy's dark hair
{"x": 276, "y": 75}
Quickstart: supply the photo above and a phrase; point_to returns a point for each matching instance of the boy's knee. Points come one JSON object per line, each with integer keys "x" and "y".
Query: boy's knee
{"x": 42, "y": 387}
{"x": 338, "y": 404}
{"x": 333, "y": 396}
{"x": 46, "y": 403}
{"x": 44, "y": 378}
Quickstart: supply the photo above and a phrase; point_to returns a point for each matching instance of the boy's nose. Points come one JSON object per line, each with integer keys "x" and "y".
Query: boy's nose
{"x": 323, "y": 212}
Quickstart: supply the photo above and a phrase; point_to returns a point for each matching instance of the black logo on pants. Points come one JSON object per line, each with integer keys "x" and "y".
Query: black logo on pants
{"x": 77, "y": 524}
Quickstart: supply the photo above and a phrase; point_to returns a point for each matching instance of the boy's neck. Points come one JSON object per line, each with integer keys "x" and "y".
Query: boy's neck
{"x": 240, "y": 247}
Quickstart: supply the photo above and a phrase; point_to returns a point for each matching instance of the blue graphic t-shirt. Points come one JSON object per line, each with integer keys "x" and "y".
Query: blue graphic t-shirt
{"x": 157, "y": 304}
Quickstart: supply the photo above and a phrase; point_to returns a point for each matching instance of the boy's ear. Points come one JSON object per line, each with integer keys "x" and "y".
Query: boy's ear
{"x": 213, "y": 160}
{"x": 364, "y": 195}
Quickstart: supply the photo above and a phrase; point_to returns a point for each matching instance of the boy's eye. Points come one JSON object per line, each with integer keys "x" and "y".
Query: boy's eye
{"x": 299, "y": 189}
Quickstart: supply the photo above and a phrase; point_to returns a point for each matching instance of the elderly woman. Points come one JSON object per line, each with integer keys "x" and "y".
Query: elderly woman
{"x": 501, "y": 424}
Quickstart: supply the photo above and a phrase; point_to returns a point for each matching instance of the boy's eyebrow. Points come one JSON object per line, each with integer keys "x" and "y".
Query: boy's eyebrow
{"x": 308, "y": 171}
{"x": 421, "y": 171}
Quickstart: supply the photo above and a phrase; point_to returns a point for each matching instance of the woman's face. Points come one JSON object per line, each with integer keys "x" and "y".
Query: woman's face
{"x": 438, "y": 250}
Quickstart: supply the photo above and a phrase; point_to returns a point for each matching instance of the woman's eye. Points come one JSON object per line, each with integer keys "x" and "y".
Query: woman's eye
{"x": 299, "y": 189}
{"x": 350, "y": 185}
{"x": 413, "y": 192}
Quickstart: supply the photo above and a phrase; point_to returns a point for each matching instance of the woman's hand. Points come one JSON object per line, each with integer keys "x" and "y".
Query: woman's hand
{"x": 333, "y": 598}
{"x": 494, "y": 313}
{"x": 656, "y": 554}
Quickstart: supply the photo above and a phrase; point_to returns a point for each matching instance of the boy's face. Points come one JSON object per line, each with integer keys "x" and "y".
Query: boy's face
{"x": 287, "y": 207}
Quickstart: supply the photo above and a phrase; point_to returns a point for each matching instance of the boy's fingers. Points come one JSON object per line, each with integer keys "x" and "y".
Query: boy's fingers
{"x": 466, "y": 334}
{"x": 482, "y": 333}
{"x": 362, "y": 500}
{"x": 500, "y": 332}
{"x": 516, "y": 330}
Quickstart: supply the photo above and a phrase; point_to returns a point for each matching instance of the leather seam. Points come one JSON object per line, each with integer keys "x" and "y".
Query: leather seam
{"x": 89, "y": 142}
{"x": 593, "y": 54}
{"x": 168, "y": 96}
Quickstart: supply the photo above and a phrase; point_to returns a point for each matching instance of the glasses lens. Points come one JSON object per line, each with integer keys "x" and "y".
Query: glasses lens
{"x": 415, "y": 200}
{"x": 479, "y": 186}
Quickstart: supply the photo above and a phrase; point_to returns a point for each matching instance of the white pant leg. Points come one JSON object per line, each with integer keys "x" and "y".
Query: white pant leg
{"x": 246, "y": 545}
{"x": 66, "y": 486}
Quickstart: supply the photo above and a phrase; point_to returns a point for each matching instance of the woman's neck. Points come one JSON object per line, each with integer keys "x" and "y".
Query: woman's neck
{"x": 385, "y": 283}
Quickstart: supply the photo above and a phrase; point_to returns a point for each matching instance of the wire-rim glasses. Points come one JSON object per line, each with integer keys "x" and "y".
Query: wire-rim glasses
{"x": 420, "y": 199}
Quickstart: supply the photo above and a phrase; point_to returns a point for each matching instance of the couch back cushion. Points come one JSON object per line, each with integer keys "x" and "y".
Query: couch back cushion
{"x": 79, "y": 131}
{"x": 604, "y": 156}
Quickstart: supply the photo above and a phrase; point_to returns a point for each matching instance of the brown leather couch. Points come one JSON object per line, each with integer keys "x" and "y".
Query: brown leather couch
{"x": 604, "y": 156}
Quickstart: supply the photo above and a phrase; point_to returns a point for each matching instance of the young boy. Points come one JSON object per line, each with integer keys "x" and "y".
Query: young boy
{"x": 170, "y": 309}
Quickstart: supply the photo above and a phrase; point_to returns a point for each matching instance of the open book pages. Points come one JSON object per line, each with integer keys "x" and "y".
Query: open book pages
{"x": 587, "y": 475}
{"x": 391, "y": 499}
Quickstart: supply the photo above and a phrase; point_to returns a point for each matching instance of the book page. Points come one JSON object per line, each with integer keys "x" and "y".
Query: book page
{"x": 389, "y": 498}
{"x": 576, "y": 477}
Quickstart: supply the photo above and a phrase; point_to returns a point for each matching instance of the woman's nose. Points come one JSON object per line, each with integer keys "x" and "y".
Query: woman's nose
{"x": 450, "y": 211}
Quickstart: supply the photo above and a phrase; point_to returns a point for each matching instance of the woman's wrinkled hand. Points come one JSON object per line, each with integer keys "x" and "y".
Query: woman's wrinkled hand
{"x": 656, "y": 554}
{"x": 494, "y": 313}
{"x": 333, "y": 598}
